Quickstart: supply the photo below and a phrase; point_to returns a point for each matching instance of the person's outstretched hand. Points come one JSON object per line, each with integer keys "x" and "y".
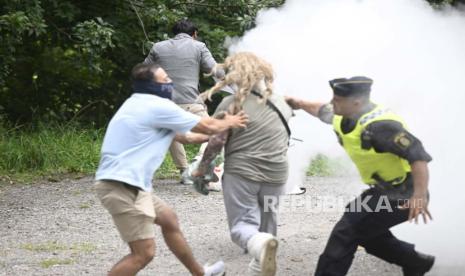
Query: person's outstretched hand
{"x": 239, "y": 120}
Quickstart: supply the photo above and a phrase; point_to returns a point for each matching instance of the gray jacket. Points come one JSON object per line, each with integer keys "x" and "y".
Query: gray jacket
{"x": 183, "y": 58}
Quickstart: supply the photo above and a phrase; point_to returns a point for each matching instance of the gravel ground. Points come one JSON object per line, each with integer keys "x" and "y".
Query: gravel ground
{"x": 61, "y": 229}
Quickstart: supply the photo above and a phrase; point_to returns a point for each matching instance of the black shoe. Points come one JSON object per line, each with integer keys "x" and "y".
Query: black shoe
{"x": 423, "y": 265}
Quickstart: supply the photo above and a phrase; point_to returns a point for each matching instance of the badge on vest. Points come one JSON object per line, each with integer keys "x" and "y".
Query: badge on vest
{"x": 402, "y": 140}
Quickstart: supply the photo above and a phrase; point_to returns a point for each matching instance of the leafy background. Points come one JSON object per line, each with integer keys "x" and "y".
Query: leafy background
{"x": 64, "y": 70}
{"x": 69, "y": 60}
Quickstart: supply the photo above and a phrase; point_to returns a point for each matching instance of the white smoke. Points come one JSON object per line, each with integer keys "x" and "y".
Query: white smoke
{"x": 416, "y": 56}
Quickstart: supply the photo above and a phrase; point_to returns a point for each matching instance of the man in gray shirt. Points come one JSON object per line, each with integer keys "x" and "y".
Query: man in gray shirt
{"x": 184, "y": 58}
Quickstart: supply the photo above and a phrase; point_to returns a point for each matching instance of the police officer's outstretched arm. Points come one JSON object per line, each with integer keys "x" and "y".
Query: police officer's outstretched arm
{"x": 310, "y": 107}
{"x": 323, "y": 111}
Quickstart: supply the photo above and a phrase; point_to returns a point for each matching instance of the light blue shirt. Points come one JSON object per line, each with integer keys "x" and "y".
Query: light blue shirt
{"x": 138, "y": 137}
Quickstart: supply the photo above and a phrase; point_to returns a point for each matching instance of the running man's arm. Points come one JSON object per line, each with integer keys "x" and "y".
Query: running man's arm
{"x": 191, "y": 138}
{"x": 209, "y": 126}
{"x": 207, "y": 62}
{"x": 152, "y": 57}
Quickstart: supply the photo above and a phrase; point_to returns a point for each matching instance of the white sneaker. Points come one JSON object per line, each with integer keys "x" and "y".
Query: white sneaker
{"x": 201, "y": 183}
{"x": 263, "y": 247}
{"x": 254, "y": 268}
{"x": 185, "y": 178}
{"x": 214, "y": 186}
{"x": 216, "y": 269}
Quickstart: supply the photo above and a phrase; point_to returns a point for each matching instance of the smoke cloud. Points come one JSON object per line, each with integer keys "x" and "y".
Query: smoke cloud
{"x": 416, "y": 56}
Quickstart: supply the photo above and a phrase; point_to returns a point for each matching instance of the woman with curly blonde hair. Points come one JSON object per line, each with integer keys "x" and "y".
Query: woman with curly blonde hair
{"x": 255, "y": 166}
{"x": 258, "y": 72}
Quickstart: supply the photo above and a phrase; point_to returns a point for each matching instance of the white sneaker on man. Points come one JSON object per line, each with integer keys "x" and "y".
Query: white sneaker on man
{"x": 216, "y": 269}
{"x": 215, "y": 186}
{"x": 263, "y": 247}
{"x": 185, "y": 178}
{"x": 203, "y": 184}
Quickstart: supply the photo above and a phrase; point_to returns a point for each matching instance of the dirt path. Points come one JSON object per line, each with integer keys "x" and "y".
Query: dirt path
{"x": 61, "y": 229}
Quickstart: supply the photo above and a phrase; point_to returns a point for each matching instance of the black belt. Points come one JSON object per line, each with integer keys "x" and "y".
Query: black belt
{"x": 393, "y": 184}
{"x": 400, "y": 191}
{"x": 272, "y": 106}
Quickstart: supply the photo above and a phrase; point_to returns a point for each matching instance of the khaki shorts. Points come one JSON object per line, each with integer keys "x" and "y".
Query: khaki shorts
{"x": 133, "y": 210}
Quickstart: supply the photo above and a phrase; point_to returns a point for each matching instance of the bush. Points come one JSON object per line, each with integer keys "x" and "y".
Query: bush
{"x": 48, "y": 151}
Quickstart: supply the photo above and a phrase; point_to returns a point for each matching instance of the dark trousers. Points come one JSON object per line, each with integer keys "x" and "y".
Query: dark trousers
{"x": 359, "y": 226}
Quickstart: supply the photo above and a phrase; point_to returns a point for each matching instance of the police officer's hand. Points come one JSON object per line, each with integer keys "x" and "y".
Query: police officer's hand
{"x": 418, "y": 205}
{"x": 294, "y": 103}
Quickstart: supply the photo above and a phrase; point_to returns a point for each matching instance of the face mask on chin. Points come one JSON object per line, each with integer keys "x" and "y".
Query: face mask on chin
{"x": 163, "y": 90}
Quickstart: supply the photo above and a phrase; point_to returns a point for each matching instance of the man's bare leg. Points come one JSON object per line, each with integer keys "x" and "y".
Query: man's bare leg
{"x": 176, "y": 242}
{"x": 142, "y": 252}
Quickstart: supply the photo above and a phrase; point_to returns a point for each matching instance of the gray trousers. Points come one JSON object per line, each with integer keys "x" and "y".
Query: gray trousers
{"x": 245, "y": 201}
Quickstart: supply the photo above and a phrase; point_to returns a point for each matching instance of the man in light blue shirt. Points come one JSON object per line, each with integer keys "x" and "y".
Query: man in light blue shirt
{"x": 134, "y": 146}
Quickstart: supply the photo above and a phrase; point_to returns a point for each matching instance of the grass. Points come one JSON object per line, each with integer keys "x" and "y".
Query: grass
{"x": 55, "y": 261}
{"x": 52, "y": 152}
{"x": 323, "y": 166}
{"x": 47, "y": 152}
{"x": 53, "y": 246}
{"x": 168, "y": 169}
{"x": 84, "y": 206}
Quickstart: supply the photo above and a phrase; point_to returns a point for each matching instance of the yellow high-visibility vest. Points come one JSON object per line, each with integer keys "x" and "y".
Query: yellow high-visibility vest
{"x": 387, "y": 166}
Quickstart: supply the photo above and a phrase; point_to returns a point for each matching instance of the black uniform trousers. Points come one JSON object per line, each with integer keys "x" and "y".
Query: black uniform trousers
{"x": 359, "y": 226}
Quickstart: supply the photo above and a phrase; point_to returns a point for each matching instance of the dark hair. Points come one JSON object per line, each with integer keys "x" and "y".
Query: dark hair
{"x": 144, "y": 71}
{"x": 184, "y": 26}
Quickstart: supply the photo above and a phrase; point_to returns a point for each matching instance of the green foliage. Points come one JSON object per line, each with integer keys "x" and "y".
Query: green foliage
{"x": 168, "y": 169}
{"x": 94, "y": 36}
{"x": 63, "y": 60}
{"x": 319, "y": 166}
{"x": 440, "y": 3}
{"x": 48, "y": 151}
{"x": 69, "y": 61}
{"x": 323, "y": 166}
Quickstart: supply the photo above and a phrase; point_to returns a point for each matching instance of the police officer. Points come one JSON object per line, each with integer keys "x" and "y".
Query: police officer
{"x": 392, "y": 162}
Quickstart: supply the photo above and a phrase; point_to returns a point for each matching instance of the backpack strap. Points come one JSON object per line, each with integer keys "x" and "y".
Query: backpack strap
{"x": 272, "y": 106}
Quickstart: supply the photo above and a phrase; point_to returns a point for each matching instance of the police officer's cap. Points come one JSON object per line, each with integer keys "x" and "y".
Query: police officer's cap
{"x": 355, "y": 86}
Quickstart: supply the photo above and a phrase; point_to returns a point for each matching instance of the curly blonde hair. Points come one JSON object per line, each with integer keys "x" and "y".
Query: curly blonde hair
{"x": 248, "y": 72}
